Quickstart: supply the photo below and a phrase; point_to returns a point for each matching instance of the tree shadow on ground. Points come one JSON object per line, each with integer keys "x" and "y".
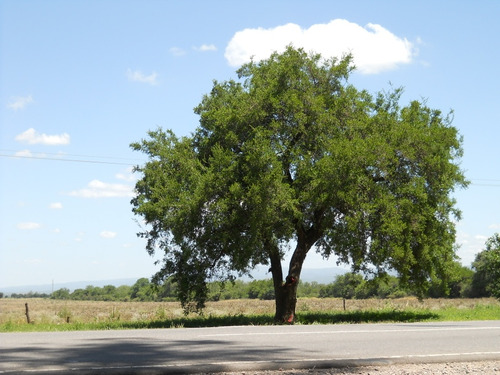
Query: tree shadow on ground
{"x": 365, "y": 317}
{"x": 146, "y": 355}
{"x": 301, "y": 318}
{"x": 132, "y": 356}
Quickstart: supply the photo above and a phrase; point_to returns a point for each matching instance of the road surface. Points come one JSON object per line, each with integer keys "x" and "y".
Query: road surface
{"x": 247, "y": 348}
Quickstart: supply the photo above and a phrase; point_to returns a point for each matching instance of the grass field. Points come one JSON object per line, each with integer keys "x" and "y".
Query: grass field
{"x": 56, "y": 315}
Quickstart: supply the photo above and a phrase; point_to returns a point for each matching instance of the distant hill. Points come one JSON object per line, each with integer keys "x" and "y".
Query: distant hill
{"x": 320, "y": 275}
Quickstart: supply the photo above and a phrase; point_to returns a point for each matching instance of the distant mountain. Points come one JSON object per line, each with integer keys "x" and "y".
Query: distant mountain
{"x": 320, "y": 275}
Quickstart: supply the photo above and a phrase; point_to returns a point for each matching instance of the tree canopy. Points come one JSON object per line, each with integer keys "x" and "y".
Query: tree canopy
{"x": 291, "y": 157}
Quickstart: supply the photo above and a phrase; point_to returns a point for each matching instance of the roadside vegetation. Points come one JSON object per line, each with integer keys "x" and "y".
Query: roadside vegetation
{"x": 67, "y": 315}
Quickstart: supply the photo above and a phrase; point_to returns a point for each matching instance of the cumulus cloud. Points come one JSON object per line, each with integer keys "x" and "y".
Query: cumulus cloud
{"x": 28, "y": 226}
{"x": 108, "y": 234}
{"x": 469, "y": 246}
{"x": 138, "y": 76}
{"x": 99, "y": 189}
{"x": 19, "y": 102}
{"x": 206, "y": 48}
{"x": 31, "y": 136}
{"x": 374, "y": 48}
{"x": 56, "y": 206}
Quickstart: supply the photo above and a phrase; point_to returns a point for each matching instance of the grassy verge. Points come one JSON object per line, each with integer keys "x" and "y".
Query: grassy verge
{"x": 230, "y": 313}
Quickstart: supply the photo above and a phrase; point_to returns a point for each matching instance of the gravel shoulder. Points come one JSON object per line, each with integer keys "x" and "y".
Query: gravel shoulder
{"x": 450, "y": 368}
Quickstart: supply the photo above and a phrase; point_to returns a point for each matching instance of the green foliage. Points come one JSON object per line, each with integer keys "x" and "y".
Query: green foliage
{"x": 93, "y": 293}
{"x": 457, "y": 285}
{"x": 261, "y": 289}
{"x": 308, "y": 289}
{"x": 29, "y": 295}
{"x": 345, "y": 286}
{"x": 291, "y": 151}
{"x": 353, "y": 285}
{"x": 62, "y": 293}
{"x": 486, "y": 280}
{"x": 142, "y": 290}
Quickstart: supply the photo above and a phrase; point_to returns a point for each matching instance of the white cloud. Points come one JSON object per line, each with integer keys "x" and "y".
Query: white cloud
{"x": 138, "y": 76}
{"x": 19, "y": 102}
{"x": 177, "y": 52}
{"x": 470, "y": 246}
{"x": 206, "y": 48}
{"x": 127, "y": 176}
{"x": 56, "y": 206}
{"x": 494, "y": 226}
{"x": 24, "y": 154}
{"x": 108, "y": 234}
{"x": 31, "y": 136}
{"x": 28, "y": 226}
{"x": 373, "y": 47}
{"x": 481, "y": 238}
{"x": 99, "y": 189}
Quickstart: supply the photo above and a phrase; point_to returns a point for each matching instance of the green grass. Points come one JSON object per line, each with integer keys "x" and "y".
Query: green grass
{"x": 478, "y": 312}
{"x": 188, "y": 322}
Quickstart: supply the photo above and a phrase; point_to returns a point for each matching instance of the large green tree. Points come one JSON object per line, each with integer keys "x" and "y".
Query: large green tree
{"x": 291, "y": 157}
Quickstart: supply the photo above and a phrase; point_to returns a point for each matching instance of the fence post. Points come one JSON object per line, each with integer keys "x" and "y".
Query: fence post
{"x": 27, "y": 313}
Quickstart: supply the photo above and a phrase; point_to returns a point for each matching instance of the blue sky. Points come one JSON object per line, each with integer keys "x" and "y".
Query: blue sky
{"x": 81, "y": 80}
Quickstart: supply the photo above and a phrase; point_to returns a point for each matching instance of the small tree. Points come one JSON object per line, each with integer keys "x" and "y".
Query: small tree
{"x": 486, "y": 280}
{"x": 142, "y": 290}
{"x": 458, "y": 284}
{"x": 62, "y": 293}
{"x": 292, "y": 155}
{"x": 345, "y": 286}
{"x": 261, "y": 289}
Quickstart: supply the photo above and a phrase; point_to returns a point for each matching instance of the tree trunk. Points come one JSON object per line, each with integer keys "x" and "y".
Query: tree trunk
{"x": 286, "y": 301}
{"x": 286, "y": 293}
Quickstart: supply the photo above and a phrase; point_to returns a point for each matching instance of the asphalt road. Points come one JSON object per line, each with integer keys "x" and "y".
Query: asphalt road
{"x": 248, "y": 348}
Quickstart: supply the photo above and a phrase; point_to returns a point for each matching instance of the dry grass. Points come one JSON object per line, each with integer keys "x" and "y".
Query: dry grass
{"x": 47, "y": 311}
{"x": 406, "y": 303}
